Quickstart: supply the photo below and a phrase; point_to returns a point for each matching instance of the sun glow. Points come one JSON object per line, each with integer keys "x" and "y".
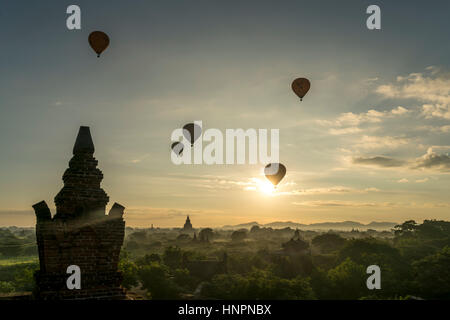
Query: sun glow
{"x": 266, "y": 187}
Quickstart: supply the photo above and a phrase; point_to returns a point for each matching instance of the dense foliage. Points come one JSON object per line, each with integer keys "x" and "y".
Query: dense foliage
{"x": 264, "y": 263}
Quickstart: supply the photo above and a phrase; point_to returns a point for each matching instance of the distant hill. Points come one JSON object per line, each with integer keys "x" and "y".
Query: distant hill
{"x": 248, "y": 225}
{"x": 281, "y": 225}
{"x": 345, "y": 225}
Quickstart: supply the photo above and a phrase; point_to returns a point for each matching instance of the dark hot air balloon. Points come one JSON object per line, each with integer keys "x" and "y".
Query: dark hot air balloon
{"x": 99, "y": 41}
{"x": 177, "y": 147}
{"x": 192, "y": 132}
{"x": 275, "y": 172}
{"x": 301, "y": 86}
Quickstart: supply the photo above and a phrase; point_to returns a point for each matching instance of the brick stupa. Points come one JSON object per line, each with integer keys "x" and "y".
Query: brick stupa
{"x": 80, "y": 233}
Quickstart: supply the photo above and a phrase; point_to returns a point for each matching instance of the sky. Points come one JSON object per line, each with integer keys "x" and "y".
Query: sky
{"x": 370, "y": 141}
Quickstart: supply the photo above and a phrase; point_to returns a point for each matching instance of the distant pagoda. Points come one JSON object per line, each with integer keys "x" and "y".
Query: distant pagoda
{"x": 80, "y": 233}
{"x": 187, "y": 226}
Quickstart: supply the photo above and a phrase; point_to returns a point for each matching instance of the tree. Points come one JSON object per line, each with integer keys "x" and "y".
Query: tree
{"x": 173, "y": 257}
{"x": 255, "y": 229}
{"x": 406, "y": 227}
{"x": 139, "y": 236}
{"x": 347, "y": 280}
{"x": 239, "y": 235}
{"x": 433, "y": 229}
{"x": 206, "y": 234}
{"x": 295, "y": 246}
{"x": 6, "y": 287}
{"x": 369, "y": 251}
{"x": 10, "y": 244}
{"x": 183, "y": 237}
{"x": 24, "y": 279}
{"x": 328, "y": 242}
{"x": 155, "y": 279}
{"x": 132, "y": 245}
{"x": 183, "y": 278}
{"x": 148, "y": 259}
{"x": 396, "y": 271}
{"x": 259, "y": 284}
{"x": 129, "y": 271}
{"x": 432, "y": 275}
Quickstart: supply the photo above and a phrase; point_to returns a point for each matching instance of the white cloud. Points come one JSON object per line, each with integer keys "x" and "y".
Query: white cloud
{"x": 374, "y": 142}
{"x": 338, "y": 203}
{"x": 434, "y": 89}
{"x": 334, "y": 203}
{"x": 341, "y": 131}
{"x": 399, "y": 110}
{"x": 347, "y": 123}
{"x": 435, "y": 129}
{"x": 332, "y": 190}
{"x": 436, "y": 110}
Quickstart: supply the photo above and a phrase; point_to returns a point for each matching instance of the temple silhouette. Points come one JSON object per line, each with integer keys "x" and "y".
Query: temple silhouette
{"x": 80, "y": 233}
{"x": 187, "y": 226}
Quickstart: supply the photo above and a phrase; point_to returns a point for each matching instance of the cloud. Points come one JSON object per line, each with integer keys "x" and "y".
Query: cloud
{"x": 140, "y": 159}
{"x": 347, "y": 123}
{"x": 350, "y": 118}
{"x": 374, "y": 79}
{"x": 342, "y": 131}
{"x": 435, "y": 129}
{"x": 334, "y": 203}
{"x": 356, "y": 204}
{"x": 437, "y": 110}
{"x": 417, "y": 86}
{"x": 422, "y": 180}
{"x": 374, "y": 142}
{"x": 434, "y": 89}
{"x": 404, "y": 180}
{"x": 378, "y": 161}
{"x": 332, "y": 190}
{"x": 433, "y": 160}
{"x": 399, "y": 110}
{"x": 355, "y": 119}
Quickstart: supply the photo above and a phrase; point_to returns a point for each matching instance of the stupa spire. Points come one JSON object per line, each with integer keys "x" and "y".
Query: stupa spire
{"x": 82, "y": 195}
{"x": 84, "y": 143}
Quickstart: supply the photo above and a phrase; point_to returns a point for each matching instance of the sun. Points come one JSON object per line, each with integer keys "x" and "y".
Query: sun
{"x": 266, "y": 187}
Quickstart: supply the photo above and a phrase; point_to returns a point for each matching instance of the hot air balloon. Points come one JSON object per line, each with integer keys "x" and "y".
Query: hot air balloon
{"x": 301, "y": 87}
{"x": 177, "y": 147}
{"x": 275, "y": 172}
{"x": 99, "y": 41}
{"x": 192, "y": 132}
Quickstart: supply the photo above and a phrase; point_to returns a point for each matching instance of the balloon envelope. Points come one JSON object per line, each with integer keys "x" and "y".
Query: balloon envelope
{"x": 301, "y": 86}
{"x": 177, "y": 147}
{"x": 275, "y": 172}
{"x": 99, "y": 41}
{"x": 192, "y": 132}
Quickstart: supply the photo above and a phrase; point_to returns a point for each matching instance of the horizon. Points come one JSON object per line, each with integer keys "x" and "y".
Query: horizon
{"x": 231, "y": 225}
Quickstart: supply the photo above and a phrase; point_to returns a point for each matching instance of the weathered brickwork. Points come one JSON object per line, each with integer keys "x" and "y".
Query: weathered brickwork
{"x": 80, "y": 233}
